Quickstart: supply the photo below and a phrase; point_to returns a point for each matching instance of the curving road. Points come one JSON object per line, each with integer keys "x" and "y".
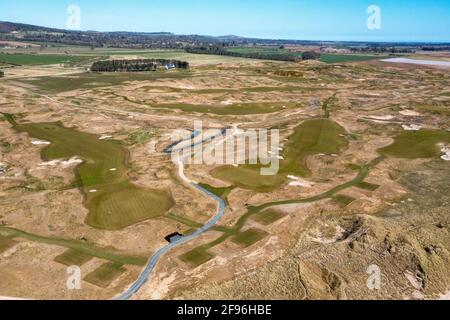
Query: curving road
{"x": 144, "y": 276}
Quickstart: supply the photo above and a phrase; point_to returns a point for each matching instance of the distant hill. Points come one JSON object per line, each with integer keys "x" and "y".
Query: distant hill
{"x": 7, "y": 27}
{"x": 11, "y": 31}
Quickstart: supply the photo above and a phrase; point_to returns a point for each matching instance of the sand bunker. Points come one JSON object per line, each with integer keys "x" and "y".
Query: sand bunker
{"x": 64, "y": 163}
{"x": 413, "y": 127}
{"x": 40, "y": 142}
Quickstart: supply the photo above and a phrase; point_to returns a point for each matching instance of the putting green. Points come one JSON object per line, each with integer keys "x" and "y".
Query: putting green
{"x": 311, "y": 137}
{"x": 113, "y": 202}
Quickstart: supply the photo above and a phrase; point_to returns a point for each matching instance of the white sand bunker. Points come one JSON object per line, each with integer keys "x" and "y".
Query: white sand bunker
{"x": 413, "y": 127}
{"x": 299, "y": 182}
{"x": 409, "y": 113}
{"x": 446, "y": 153}
{"x": 105, "y": 137}
{"x": 386, "y": 117}
{"x": 63, "y": 163}
{"x": 40, "y": 142}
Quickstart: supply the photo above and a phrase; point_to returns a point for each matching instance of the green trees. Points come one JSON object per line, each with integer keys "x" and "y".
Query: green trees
{"x": 218, "y": 50}
{"x": 310, "y": 55}
{"x": 136, "y": 65}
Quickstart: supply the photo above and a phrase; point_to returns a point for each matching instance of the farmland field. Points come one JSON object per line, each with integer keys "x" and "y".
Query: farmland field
{"x": 339, "y": 58}
{"x": 43, "y": 59}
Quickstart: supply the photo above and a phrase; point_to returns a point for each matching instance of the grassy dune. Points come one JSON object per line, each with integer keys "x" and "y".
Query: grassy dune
{"x": 233, "y": 109}
{"x": 113, "y": 202}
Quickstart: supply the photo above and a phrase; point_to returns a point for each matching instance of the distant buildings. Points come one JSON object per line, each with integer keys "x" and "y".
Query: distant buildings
{"x": 170, "y": 66}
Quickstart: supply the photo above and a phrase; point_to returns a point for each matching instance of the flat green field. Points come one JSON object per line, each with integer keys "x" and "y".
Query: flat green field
{"x": 73, "y": 257}
{"x": 113, "y": 202}
{"x": 264, "y": 50}
{"x": 43, "y": 59}
{"x": 417, "y": 144}
{"x": 105, "y": 274}
{"x": 249, "y": 237}
{"x": 339, "y": 58}
{"x": 268, "y": 217}
{"x": 309, "y": 138}
{"x": 343, "y": 200}
{"x": 193, "y": 59}
{"x": 196, "y": 257}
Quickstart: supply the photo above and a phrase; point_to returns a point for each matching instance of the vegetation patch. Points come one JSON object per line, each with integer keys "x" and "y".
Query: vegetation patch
{"x": 309, "y": 138}
{"x": 196, "y": 257}
{"x": 339, "y": 58}
{"x": 78, "y": 245}
{"x": 417, "y": 144}
{"x": 91, "y": 80}
{"x": 233, "y": 109}
{"x": 73, "y": 257}
{"x": 6, "y": 243}
{"x": 113, "y": 202}
{"x": 343, "y": 200}
{"x": 249, "y": 237}
{"x": 43, "y": 59}
{"x": 268, "y": 217}
{"x": 220, "y": 192}
{"x": 368, "y": 186}
{"x": 105, "y": 274}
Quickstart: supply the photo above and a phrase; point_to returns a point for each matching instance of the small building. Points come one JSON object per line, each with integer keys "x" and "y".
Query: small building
{"x": 173, "y": 237}
{"x": 170, "y": 66}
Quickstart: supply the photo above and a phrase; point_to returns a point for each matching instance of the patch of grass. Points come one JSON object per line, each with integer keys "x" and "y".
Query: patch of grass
{"x": 73, "y": 257}
{"x": 339, "y": 58}
{"x": 78, "y": 245}
{"x": 249, "y": 237}
{"x": 105, "y": 274}
{"x": 139, "y": 137}
{"x": 353, "y": 166}
{"x": 113, "y": 201}
{"x": 6, "y": 243}
{"x": 268, "y": 217}
{"x": 220, "y": 192}
{"x": 35, "y": 59}
{"x": 88, "y": 80}
{"x": 309, "y": 138}
{"x": 255, "y": 210}
{"x": 417, "y": 144}
{"x": 275, "y": 50}
{"x": 343, "y": 200}
{"x": 368, "y": 186}
{"x": 233, "y": 109}
{"x": 196, "y": 257}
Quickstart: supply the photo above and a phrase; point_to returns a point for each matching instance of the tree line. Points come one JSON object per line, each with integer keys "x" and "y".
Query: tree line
{"x": 217, "y": 50}
{"x": 136, "y": 65}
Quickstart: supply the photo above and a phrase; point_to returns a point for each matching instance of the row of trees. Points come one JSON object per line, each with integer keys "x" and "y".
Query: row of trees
{"x": 217, "y": 50}
{"x": 136, "y": 65}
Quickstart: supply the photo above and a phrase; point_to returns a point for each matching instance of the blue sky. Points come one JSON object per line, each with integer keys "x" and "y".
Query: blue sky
{"x": 401, "y": 20}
